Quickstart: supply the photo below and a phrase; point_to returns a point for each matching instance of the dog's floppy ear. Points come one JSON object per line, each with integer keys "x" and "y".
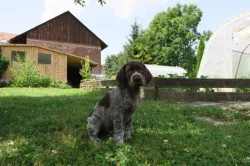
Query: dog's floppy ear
{"x": 121, "y": 77}
{"x": 148, "y": 75}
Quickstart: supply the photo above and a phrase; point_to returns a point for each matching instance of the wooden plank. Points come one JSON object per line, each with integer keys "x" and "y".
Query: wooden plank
{"x": 148, "y": 93}
{"x": 202, "y": 83}
{"x": 205, "y": 96}
{"x": 145, "y": 93}
{"x": 112, "y": 83}
{"x": 101, "y": 83}
{"x": 97, "y": 89}
{"x": 152, "y": 83}
{"x": 64, "y": 28}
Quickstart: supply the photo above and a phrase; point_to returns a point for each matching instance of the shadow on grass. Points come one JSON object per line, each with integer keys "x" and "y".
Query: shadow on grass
{"x": 30, "y": 116}
{"x": 50, "y": 130}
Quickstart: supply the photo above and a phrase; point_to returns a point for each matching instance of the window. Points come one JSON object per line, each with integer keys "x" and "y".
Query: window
{"x": 44, "y": 58}
{"x": 14, "y": 55}
{"x": 3, "y": 41}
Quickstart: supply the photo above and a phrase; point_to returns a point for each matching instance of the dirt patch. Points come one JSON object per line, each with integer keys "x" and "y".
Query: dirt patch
{"x": 236, "y": 107}
{"x": 211, "y": 120}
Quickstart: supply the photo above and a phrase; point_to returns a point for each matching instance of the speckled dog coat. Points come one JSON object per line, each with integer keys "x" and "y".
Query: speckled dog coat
{"x": 113, "y": 114}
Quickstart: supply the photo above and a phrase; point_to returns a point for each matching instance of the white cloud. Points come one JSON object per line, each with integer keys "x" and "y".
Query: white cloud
{"x": 53, "y": 8}
{"x": 189, "y": 1}
{"x": 126, "y": 8}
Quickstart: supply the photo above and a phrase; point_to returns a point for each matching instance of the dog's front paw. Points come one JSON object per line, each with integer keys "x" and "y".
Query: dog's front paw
{"x": 96, "y": 139}
{"x": 127, "y": 136}
{"x": 120, "y": 142}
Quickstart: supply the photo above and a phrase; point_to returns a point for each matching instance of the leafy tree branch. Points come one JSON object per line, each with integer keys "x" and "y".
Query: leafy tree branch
{"x": 82, "y": 2}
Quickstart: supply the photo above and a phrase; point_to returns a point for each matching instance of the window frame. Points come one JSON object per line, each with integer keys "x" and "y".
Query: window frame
{"x": 22, "y": 55}
{"x": 42, "y": 63}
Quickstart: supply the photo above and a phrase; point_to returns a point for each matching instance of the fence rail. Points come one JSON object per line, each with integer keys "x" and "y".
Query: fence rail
{"x": 158, "y": 88}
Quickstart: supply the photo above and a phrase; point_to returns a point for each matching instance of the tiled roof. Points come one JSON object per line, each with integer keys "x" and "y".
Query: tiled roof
{"x": 6, "y": 36}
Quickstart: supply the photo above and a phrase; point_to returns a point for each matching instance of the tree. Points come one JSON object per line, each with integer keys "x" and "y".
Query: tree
{"x": 172, "y": 35}
{"x": 112, "y": 65}
{"x": 82, "y": 2}
{"x": 142, "y": 49}
{"x": 199, "y": 55}
{"x": 85, "y": 71}
{"x": 130, "y": 48}
{"x": 4, "y": 63}
{"x": 206, "y": 35}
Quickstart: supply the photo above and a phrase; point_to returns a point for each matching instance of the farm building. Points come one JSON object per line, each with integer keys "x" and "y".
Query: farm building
{"x": 50, "y": 62}
{"x": 57, "y": 45}
{"x": 5, "y": 37}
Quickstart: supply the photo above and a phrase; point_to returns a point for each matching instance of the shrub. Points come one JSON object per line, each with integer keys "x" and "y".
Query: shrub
{"x": 85, "y": 71}
{"x": 5, "y": 82}
{"x": 59, "y": 84}
{"x": 4, "y": 63}
{"x": 25, "y": 73}
{"x": 43, "y": 81}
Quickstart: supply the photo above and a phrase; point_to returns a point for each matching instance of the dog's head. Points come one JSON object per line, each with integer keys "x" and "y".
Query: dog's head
{"x": 134, "y": 74}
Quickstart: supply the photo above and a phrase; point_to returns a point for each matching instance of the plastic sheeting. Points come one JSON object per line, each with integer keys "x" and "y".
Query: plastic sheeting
{"x": 227, "y": 53}
{"x": 157, "y": 70}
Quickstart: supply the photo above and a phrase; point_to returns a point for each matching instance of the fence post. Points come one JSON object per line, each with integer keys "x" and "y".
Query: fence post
{"x": 156, "y": 88}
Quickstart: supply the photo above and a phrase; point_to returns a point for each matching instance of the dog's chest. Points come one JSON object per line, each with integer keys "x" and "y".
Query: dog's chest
{"x": 128, "y": 113}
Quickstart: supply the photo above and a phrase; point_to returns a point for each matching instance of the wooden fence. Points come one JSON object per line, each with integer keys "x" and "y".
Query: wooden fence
{"x": 181, "y": 89}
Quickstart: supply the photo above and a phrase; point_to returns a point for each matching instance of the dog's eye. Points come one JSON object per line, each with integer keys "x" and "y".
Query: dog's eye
{"x": 140, "y": 69}
{"x": 129, "y": 70}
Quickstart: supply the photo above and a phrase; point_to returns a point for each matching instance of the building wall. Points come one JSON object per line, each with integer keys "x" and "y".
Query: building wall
{"x": 93, "y": 52}
{"x": 57, "y": 69}
{"x": 64, "y": 28}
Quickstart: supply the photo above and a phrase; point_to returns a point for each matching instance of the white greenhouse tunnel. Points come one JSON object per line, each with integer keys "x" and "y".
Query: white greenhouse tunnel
{"x": 157, "y": 70}
{"x": 227, "y": 53}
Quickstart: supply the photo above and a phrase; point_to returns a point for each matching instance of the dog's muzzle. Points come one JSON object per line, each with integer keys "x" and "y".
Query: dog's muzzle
{"x": 137, "y": 79}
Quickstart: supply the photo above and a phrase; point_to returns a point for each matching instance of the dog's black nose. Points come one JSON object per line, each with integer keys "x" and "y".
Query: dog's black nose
{"x": 137, "y": 78}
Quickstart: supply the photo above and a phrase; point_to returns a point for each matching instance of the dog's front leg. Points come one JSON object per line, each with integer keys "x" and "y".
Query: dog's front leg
{"x": 118, "y": 129}
{"x": 127, "y": 129}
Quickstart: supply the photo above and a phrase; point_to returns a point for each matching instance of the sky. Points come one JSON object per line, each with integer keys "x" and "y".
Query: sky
{"x": 111, "y": 22}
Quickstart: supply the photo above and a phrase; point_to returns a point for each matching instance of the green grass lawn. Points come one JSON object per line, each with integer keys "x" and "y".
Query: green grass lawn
{"x": 48, "y": 127}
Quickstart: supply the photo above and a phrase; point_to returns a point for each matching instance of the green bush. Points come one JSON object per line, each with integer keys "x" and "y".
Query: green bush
{"x": 3, "y": 84}
{"x": 85, "y": 71}
{"x": 26, "y": 74}
{"x": 4, "y": 63}
{"x": 59, "y": 84}
{"x": 43, "y": 81}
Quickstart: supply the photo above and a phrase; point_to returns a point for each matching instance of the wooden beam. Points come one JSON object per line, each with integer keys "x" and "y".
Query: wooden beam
{"x": 205, "y": 96}
{"x": 202, "y": 83}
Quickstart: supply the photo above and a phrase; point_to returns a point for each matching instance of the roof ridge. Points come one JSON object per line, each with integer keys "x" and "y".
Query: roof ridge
{"x": 102, "y": 43}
